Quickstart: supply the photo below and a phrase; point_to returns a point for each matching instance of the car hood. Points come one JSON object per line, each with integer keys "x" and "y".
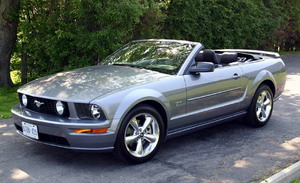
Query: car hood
{"x": 87, "y": 83}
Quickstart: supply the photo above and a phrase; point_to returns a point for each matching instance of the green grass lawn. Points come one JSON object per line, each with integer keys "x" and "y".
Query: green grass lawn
{"x": 8, "y": 98}
{"x": 296, "y": 181}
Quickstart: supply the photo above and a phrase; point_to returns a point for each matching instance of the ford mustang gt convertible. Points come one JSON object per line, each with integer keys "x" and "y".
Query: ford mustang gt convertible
{"x": 146, "y": 92}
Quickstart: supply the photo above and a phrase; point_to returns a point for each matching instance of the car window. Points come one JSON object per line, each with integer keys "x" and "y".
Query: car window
{"x": 162, "y": 56}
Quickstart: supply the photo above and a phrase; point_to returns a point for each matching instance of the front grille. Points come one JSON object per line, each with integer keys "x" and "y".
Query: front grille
{"x": 48, "y": 138}
{"x": 47, "y": 107}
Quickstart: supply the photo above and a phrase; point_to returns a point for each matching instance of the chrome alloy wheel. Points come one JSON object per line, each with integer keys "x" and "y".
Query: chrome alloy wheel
{"x": 141, "y": 135}
{"x": 264, "y": 106}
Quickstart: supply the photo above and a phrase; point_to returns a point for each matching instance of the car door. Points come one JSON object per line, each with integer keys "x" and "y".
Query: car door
{"x": 213, "y": 94}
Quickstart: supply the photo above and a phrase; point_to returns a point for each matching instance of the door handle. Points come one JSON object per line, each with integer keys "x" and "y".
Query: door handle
{"x": 236, "y": 76}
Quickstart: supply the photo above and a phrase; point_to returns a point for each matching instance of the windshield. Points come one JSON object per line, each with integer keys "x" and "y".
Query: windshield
{"x": 161, "y": 56}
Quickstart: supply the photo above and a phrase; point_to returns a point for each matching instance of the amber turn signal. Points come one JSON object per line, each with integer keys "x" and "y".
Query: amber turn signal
{"x": 101, "y": 130}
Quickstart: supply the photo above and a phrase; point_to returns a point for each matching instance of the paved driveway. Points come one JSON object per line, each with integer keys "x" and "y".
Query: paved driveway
{"x": 227, "y": 153}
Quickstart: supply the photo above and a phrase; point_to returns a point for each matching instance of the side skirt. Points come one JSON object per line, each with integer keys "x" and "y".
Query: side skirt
{"x": 205, "y": 124}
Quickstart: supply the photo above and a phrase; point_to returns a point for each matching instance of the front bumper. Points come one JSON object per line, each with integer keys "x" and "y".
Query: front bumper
{"x": 58, "y": 131}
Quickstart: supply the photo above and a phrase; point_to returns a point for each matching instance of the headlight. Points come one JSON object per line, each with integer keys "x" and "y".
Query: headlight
{"x": 60, "y": 108}
{"x": 95, "y": 111}
{"x": 24, "y": 100}
{"x": 89, "y": 111}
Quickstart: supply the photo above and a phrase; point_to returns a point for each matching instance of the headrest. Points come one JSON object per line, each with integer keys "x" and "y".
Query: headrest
{"x": 199, "y": 57}
{"x": 227, "y": 58}
{"x": 210, "y": 56}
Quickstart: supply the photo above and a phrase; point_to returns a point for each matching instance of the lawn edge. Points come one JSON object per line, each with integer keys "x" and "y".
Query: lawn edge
{"x": 286, "y": 175}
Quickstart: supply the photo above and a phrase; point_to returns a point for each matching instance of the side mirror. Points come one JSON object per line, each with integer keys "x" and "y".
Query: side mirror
{"x": 202, "y": 67}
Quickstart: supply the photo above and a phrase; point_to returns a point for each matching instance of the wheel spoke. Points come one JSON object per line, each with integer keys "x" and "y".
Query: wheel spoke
{"x": 259, "y": 99}
{"x": 142, "y": 135}
{"x": 130, "y": 139}
{"x": 258, "y": 111}
{"x": 150, "y": 138}
{"x": 264, "y": 106}
{"x": 263, "y": 113}
{"x": 147, "y": 122}
{"x": 267, "y": 102}
{"x": 134, "y": 124}
{"x": 263, "y": 95}
{"x": 139, "y": 148}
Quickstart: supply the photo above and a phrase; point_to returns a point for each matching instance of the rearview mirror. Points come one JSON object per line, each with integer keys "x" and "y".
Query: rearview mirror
{"x": 202, "y": 67}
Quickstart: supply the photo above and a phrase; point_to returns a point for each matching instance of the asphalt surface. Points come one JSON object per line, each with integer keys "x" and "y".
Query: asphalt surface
{"x": 231, "y": 152}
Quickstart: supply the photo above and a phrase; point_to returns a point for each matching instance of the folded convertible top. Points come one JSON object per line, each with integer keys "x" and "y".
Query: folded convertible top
{"x": 256, "y": 52}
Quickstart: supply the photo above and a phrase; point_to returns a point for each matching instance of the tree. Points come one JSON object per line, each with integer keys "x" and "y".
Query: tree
{"x": 221, "y": 24}
{"x": 54, "y": 36}
{"x": 8, "y": 34}
{"x": 59, "y": 35}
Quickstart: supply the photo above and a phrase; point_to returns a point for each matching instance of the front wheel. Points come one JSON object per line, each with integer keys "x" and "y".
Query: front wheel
{"x": 140, "y": 135}
{"x": 261, "y": 107}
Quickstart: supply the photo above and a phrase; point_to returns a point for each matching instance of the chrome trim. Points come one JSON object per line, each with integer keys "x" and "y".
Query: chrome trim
{"x": 212, "y": 94}
{"x": 38, "y": 103}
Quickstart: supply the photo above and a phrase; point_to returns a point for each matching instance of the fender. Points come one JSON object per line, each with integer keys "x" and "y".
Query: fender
{"x": 260, "y": 78}
{"x": 133, "y": 99}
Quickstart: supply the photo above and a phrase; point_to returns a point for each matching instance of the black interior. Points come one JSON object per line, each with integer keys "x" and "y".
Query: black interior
{"x": 210, "y": 56}
{"x": 227, "y": 58}
{"x": 222, "y": 58}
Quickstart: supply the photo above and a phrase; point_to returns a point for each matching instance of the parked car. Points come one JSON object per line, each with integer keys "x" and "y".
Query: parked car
{"x": 146, "y": 92}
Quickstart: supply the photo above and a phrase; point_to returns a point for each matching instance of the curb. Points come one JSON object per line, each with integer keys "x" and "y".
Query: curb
{"x": 286, "y": 175}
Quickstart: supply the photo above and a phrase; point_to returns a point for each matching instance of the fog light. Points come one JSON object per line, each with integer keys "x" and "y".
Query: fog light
{"x": 60, "y": 108}
{"x": 24, "y": 100}
{"x": 101, "y": 130}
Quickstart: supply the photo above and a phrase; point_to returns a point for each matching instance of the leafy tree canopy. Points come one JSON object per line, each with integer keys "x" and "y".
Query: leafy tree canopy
{"x": 57, "y": 35}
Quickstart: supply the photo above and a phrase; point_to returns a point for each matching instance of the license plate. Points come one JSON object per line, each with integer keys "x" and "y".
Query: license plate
{"x": 30, "y": 130}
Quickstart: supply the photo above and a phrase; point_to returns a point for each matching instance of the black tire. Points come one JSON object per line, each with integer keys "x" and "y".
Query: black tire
{"x": 121, "y": 149}
{"x": 252, "y": 118}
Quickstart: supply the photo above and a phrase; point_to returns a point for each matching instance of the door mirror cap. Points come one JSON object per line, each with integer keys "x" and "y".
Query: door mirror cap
{"x": 202, "y": 67}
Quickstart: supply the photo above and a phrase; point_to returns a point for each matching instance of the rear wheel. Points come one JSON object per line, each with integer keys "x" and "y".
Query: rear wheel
{"x": 140, "y": 135}
{"x": 261, "y": 107}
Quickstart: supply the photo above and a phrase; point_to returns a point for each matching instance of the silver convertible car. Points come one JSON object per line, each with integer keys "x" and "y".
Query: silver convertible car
{"x": 146, "y": 92}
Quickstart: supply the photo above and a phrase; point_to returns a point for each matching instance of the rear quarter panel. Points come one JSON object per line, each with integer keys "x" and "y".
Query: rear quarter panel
{"x": 256, "y": 72}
